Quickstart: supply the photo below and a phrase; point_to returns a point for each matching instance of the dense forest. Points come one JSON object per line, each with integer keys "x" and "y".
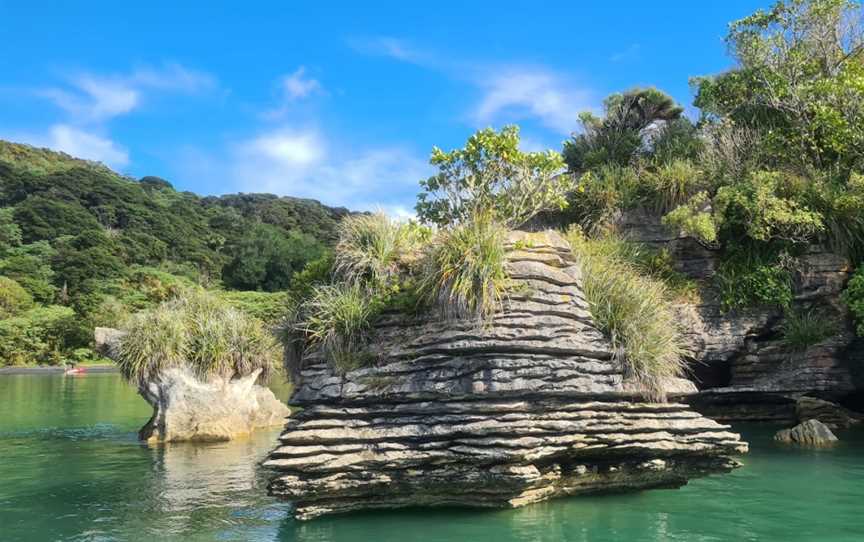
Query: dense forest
{"x": 81, "y": 246}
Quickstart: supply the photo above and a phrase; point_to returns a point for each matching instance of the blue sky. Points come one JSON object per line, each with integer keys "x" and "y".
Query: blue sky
{"x": 341, "y": 102}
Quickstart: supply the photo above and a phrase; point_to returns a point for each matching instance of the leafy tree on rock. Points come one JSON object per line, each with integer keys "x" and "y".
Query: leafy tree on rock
{"x": 490, "y": 175}
{"x": 617, "y": 137}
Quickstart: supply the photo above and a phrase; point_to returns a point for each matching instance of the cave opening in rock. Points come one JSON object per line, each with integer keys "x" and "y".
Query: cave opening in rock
{"x": 711, "y": 374}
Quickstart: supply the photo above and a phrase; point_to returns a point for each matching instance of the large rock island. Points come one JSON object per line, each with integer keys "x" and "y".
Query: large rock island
{"x": 531, "y": 406}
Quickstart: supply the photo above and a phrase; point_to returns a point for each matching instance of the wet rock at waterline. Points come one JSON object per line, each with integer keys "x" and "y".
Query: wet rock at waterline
{"x": 532, "y": 406}
{"x": 809, "y": 433}
{"x": 188, "y": 409}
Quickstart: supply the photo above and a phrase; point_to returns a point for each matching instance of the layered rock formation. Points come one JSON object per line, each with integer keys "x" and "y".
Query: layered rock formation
{"x": 742, "y": 367}
{"x": 185, "y": 408}
{"x": 531, "y": 406}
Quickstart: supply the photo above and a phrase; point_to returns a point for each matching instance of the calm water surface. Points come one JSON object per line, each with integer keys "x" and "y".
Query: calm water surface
{"x": 71, "y": 469}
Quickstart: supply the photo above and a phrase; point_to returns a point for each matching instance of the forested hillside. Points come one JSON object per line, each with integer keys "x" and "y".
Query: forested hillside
{"x": 81, "y": 246}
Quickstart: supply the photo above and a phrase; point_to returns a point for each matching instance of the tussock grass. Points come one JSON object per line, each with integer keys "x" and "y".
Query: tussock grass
{"x": 371, "y": 248}
{"x": 464, "y": 274}
{"x": 338, "y": 318}
{"x": 199, "y": 331}
{"x": 633, "y": 311}
{"x": 804, "y": 328}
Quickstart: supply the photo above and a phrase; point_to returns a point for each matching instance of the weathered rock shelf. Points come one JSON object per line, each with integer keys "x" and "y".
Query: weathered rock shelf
{"x": 529, "y": 407}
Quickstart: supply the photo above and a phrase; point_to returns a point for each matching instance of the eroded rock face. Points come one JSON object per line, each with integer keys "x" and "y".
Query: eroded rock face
{"x": 530, "y": 407}
{"x": 188, "y": 409}
{"x": 743, "y": 368}
{"x": 811, "y": 433}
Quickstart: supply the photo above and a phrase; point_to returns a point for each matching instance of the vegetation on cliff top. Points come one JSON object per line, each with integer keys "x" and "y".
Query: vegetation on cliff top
{"x": 457, "y": 268}
{"x": 775, "y": 162}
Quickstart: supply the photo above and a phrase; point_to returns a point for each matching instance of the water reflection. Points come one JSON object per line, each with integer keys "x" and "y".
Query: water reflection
{"x": 72, "y": 469}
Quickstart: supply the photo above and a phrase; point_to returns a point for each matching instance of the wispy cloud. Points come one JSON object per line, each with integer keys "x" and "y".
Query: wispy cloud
{"x": 93, "y": 98}
{"x": 630, "y": 53}
{"x": 509, "y": 91}
{"x": 518, "y": 93}
{"x": 395, "y": 48}
{"x": 303, "y": 162}
{"x": 293, "y": 88}
{"x": 296, "y": 85}
{"x": 90, "y": 101}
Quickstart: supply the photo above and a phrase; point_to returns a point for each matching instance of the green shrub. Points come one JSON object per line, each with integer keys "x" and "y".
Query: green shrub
{"x": 199, "y": 331}
{"x": 633, "y": 311}
{"x": 692, "y": 219}
{"x": 802, "y": 329}
{"x": 764, "y": 206}
{"x": 464, "y": 274}
{"x": 13, "y": 298}
{"x": 750, "y": 276}
{"x": 621, "y": 135}
{"x": 853, "y": 297}
{"x": 35, "y": 336}
{"x": 601, "y": 193}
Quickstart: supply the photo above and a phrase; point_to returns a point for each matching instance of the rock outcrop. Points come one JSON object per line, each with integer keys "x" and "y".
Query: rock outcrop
{"x": 812, "y": 433}
{"x": 529, "y": 407}
{"x": 742, "y": 367}
{"x": 186, "y": 408}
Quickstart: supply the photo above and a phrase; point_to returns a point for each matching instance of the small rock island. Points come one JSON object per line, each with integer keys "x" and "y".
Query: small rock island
{"x": 531, "y": 406}
{"x": 200, "y": 364}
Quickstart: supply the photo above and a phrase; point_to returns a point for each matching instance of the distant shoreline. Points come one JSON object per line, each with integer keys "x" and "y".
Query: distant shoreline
{"x": 51, "y": 369}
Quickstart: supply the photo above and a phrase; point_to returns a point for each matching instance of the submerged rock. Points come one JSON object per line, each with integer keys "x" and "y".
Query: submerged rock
{"x": 186, "y": 408}
{"x": 530, "y": 407}
{"x": 809, "y": 433}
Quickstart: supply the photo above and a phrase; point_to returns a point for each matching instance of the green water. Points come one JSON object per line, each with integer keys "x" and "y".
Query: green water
{"x": 71, "y": 469}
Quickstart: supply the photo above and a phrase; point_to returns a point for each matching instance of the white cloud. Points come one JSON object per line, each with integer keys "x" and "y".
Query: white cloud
{"x": 289, "y": 148}
{"x": 92, "y": 98}
{"x": 173, "y": 77}
{"x": 296, "y": 86}
{"x": 526, "y": 93}
{"x": 95, "y": 99}
{"x": 76, "y": 142}
{"x": 293, "y": 88}
{"x": 303, "y": 163}
{"x": 391, "y": 47}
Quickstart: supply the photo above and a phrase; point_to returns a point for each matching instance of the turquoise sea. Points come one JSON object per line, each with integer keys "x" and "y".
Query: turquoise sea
{"x": 72, "y": 469}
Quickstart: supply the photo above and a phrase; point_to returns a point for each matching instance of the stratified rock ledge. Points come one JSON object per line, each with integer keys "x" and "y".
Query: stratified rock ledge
{"x": 530, "y": 407}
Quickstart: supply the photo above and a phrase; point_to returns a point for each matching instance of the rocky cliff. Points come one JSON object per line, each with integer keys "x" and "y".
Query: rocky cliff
{"x": 743, "y": 369}
{"x": 529, "y": 407}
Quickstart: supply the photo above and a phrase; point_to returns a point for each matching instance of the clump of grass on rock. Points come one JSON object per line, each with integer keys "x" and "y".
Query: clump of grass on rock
{"x": 198, "y": 331}
{"x": 633, "y": 311}
{"x": 464, "y": 274}
{"x": 372, "y": 260}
